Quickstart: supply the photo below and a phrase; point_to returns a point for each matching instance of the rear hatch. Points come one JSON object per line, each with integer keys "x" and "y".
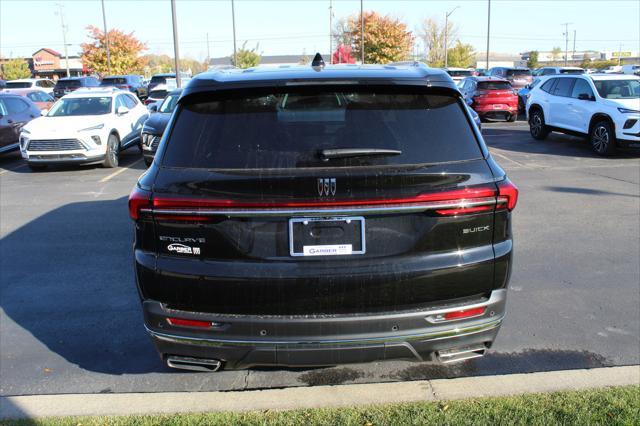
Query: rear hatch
{"x": 63, "y": 87}
{"x": 495, "y": 93}
{"x": 317, "y": 200}
{"x": 519, "y": 78}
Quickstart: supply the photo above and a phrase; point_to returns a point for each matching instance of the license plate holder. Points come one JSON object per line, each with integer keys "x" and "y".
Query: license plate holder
{"x": 331, "y": 236}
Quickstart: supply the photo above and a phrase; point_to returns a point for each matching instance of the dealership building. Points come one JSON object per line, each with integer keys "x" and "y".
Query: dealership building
{"x": 48, "y": 63}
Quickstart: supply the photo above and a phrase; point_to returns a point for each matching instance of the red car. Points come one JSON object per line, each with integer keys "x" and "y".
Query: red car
{"x": 492, "y": 98}
{"x": 42, "y": 99}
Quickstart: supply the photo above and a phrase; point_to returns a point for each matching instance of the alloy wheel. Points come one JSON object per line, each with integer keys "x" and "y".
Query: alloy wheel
{"x": 600, "y": 139}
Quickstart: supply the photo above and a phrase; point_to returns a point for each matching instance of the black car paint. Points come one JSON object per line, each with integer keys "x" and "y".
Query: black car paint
{"x": 12, "y": 123}
{"x": 245, "y": 278}
{"x": 59, "y": 90}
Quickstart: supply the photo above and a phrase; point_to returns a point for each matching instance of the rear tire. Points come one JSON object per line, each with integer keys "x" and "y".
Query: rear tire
{"x": 512, "y": 118}
{"x": 112, "y": 156}
{"x": 537, "y": 127}
{"x": 602, "y": 138}
{"x": 148, "y": 161}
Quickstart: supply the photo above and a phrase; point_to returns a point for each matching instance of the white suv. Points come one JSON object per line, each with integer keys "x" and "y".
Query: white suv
{"x": 603, "y": 107}
{"x": 85, "y": 127}
{"x": 43, "y": 84}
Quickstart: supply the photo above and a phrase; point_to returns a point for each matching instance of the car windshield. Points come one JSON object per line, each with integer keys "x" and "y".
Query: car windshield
{"x": 169, "y": 103}
{"x": 571, "y": 71}
{"x": 518, "y": 73}
{"x": 320, "y": 128}
{"x": 81, "y": 106}
{"x": 68, "y": 83}
{"x": 18, "y": 84}
{"x": 494, "y": 85}
{"x": 113, "y": 80}
{"x": 459, "y": 73}
{"x": 158, "y": 80}
{"x": 618, "y": 89}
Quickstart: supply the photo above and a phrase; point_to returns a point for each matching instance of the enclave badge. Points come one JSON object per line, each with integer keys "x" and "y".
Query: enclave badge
{"x": 327, "y": 186}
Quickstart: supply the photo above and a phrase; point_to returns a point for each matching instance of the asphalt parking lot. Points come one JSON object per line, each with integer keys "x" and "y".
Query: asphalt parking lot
{"x": 71, "y": 322}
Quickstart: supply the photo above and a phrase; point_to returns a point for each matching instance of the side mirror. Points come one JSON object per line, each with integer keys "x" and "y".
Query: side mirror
{"x": 585, "y": 97}
{"x": 44, "y": 112}
{"x": 122, "y": 110}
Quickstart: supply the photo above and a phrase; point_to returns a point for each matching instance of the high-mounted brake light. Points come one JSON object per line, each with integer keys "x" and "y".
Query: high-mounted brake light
{"x": 507, "y": 194}
{"x": 138, "y": 199}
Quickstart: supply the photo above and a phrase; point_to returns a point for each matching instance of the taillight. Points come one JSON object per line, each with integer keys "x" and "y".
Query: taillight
{"x": 466, "y": 313}
{"x": 445, "y": 203}
{"x": 138, "y": 199}
{"x": 507, "y": 194}
{"x": 189, "y": 323}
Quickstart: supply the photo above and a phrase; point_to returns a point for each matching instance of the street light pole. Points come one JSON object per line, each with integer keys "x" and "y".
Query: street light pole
{"x": 64, "y": 38}
{"x": 566, "y": 42}
{"x": 488, "y": 31}
{"x": 233, "y": 23}
{"x": 176, "y": 50}
{"x": 446, "y": 30}
{"x": 362, "y": 32}
{"x": 106, "y": 36}
{"x": 330, "y": 31}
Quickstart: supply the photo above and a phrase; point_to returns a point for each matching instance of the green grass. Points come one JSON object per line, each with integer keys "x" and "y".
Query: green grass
{"x": 619, "y": 406}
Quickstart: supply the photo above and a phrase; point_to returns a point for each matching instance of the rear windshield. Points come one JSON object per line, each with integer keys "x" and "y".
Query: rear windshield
{"x": 18, "y": 85}
{"x": 113, "y": 80}
{"x": 158, "y": 80}
{"x": 459, "y": 73}
{"x": 565, "y": 71}
{"x": 68, "y": 83}
{"x": 518, "y": 73}
{"x": 157, "y": 94}
{"x": 494, "y": 85}
{"x": 294, "y": 129}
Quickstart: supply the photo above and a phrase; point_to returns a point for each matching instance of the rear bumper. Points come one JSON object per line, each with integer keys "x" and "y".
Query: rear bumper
{"x": 246, "y": 341}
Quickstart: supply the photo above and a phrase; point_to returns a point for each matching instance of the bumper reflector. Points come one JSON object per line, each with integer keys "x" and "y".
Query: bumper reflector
{"x": 189, "y": 323}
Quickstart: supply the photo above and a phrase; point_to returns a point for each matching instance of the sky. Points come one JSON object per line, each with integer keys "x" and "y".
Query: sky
{"x": 302, "y": 26}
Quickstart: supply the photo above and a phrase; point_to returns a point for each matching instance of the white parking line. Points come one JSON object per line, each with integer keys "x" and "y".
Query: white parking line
{"x": 117, "y": 172}
{"x": 493, "y": 152}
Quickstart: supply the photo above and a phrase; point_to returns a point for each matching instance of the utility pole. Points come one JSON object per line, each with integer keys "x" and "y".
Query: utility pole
{"x": 446, "y": 30}
{"x": 619, "y": 54}
{"x": 106, "y": 36}
{"x": 176, "y": 50}
{"x": 566, "y": 42}
{"x": 208, "y": 52}
{"x": 362, "y": 32}
{"x": 64, "y": 37}
{"x": 233, "y": 23}
{"x": 331, "y": 31}
{"x": 574, "y": 45}
{"x": 488, "y": 30}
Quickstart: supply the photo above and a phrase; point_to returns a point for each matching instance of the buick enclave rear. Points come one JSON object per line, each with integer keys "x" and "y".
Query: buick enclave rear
{"x": 311, "y": 216}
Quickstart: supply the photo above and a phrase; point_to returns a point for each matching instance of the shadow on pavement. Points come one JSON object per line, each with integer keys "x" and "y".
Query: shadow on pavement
{"x": 67, "y": 278}
{"x": 519, "y": 140}
{"x": 587, "y": 191}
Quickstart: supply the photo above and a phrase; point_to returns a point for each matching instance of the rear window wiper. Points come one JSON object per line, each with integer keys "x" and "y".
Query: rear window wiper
{"x": 328, "y": 154}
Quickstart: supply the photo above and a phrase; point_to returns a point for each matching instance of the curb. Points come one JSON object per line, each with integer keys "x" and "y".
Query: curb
{"x": 313, "y": 397}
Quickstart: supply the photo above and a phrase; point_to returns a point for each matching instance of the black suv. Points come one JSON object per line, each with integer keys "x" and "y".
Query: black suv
{"x": 65, "y": 86}
{"x": 308, "y": 216}
{"x": 153, "y": 128}
{"x": 131, "y": 83}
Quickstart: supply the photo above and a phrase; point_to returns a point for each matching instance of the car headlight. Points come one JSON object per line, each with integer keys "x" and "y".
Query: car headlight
{"x": 25, "y": 131}
{"x": 628, "y": 111}
{"x": 96, "y": 127}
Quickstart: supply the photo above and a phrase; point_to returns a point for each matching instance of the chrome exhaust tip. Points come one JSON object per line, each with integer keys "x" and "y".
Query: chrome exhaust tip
{"x": 194, "y": 364}
{"x": 461, "y": 354}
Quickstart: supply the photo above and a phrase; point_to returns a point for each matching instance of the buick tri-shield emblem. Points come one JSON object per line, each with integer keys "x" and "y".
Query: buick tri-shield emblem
{"x": 326, "y": 186}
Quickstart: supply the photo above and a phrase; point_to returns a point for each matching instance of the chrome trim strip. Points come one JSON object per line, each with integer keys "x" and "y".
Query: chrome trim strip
{"x": 319, "y": 211}
{"x": 431, "y": 336}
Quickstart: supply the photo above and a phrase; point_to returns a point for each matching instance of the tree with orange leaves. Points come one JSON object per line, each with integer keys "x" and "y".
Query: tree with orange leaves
{"x": 386, "y": 39}
{"x": 124, "y": 50}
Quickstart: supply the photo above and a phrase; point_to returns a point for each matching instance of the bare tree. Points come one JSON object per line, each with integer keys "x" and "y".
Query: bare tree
{"x": 433, "y": 34}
